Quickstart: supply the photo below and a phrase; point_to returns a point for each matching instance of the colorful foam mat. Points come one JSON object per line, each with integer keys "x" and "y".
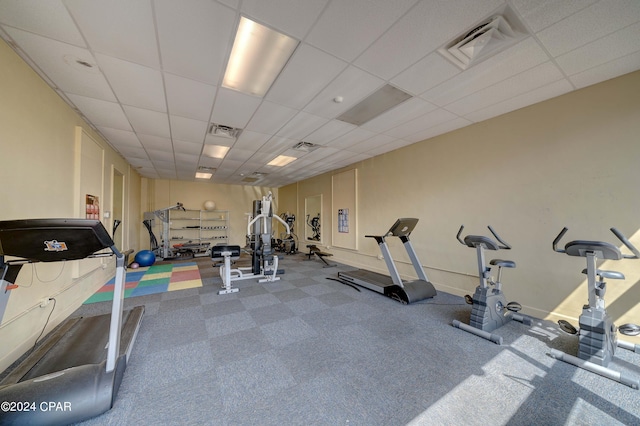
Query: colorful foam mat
{"x": 151, "y": 280}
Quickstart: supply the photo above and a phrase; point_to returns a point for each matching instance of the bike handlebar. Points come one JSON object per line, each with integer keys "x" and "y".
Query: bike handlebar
{"x": 616, "y": 232}
{"x": 557, "y": 240}
{"x": 626, "y": 242}
{"x": 504, "y": 246}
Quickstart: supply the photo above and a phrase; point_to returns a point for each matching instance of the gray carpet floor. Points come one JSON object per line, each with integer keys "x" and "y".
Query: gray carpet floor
{"x": 306, "y": 350}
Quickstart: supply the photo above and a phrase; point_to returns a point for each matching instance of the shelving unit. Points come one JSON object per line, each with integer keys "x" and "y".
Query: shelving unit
{"x": 197, "y": 230}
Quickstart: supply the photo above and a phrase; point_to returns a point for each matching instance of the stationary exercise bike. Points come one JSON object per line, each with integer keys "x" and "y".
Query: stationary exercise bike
{"x": 597, "y": 336}
{"x": 490, "y": 309}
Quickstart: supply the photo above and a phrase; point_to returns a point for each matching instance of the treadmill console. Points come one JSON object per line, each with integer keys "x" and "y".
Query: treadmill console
{"x": 53, "y": 240}
{"x": 403, "y": 227}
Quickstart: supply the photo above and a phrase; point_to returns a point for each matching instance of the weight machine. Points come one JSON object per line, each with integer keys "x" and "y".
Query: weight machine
{"x": 264, "y": 264}
{"x": 164, "y": 251}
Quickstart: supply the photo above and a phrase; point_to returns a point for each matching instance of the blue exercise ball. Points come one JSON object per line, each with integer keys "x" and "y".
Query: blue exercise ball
{"x": 145, "y": 258}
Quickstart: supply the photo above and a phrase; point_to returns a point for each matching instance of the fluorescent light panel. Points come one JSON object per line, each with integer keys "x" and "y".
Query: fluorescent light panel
{"x": 281, "y": 161}
{"x": 200, "y": 175}
{"x": 257, "y": 57}
{"x": 215, "y": 151}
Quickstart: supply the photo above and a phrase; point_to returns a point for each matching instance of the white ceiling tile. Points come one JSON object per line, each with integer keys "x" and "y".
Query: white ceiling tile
{"x": 328, "y": 132}
{"x": 47, "y": 18}
{"x": 58, "y": 61}
{"x": 616, "y": 45}
{"x": 406, "y": 111}
{"x": 293, "y": 17}
{"x": 360, "y": 22}
{"x": 134, "y": 84}
{"x": 425, "y": 121}
{"x": 109, "y": 28}
{"x": 429, "y": 25}
{"x": 270, "y": 117}
{"x": 209, "y": 162}
{"x": 543, "y": 93}
{"x": 156, "y": 143}
{"x": 148, "y": 122}
{"x": 540, "y": 14}
{"x": 204, "y": 27}
{"x": 527, "y": 81}
{"x": 301, "y": 125}
{"x": 120, "y": 137}
{"x": 607, "y": 71}
{"x": 352, "y": 85}
{"x": 308, "y": 71}
{"x": 160, "y": 156}
{"x": 101, "y": 113}
{"x": 187, "y": 129}
{"x": 131, "y": 152}
{"x": 187, "y": 147}
{"x": 189, "y": 98}
{"x": 231, "y": 3}
{"x": 372, "y": 143}
{"x": 165, "y": 172}
{"x": 354, "y": 137}
{"x": 229, "y": 165}
{"x": 233, "y": 108}
{"x": 251, "y": 140}
{"x": 589, "y": 24}
{"x": 426, "y": 74}
{"x": 277, "y": 145}
{"x": 237, "y": 154}
{"x": 190, "y": 160}
{"x": 522, "y": 56}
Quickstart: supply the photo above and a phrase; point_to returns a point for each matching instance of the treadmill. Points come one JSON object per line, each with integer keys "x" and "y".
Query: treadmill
{"x": 393, "y": 286}
{"x": 76, "y": 372}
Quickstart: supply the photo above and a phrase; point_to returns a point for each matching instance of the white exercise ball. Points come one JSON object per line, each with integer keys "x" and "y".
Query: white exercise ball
{"x": 209, "y": 205}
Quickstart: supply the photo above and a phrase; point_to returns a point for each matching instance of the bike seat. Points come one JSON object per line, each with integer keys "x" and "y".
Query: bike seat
{"x": 607, "y": 274}
{"x": 503, "y": 263}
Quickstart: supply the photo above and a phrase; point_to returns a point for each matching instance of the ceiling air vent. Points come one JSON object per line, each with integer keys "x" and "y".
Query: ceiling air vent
{"x": 223, "y": 131}
{"x": 374, "y": 105}
{"x": 306, "y": 146}
{"x": 493, "y": 35}
{"x": 206, "y": 169}
{"x": 253, "y": 177}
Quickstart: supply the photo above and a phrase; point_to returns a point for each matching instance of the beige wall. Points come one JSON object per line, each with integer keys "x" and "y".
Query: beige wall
{"x": 571, "y": 161}
{"x": 38, "y": 135}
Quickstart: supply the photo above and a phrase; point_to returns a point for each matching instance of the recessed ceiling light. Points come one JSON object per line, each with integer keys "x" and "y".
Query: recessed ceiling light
{"x": 200, "y": 175}
{"x": 215, "y": 151}
{"x": 281, "y": 161}
{"x": 257, "y": 57}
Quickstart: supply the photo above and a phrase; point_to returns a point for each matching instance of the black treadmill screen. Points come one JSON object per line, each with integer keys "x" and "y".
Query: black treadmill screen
{"x": 53, "y": 240}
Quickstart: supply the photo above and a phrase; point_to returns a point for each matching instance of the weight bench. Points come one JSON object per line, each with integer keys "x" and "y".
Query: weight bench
{"x": 313, "y": 249}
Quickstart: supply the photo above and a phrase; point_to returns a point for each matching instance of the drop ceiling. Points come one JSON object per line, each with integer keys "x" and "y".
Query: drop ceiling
{"x": 146, "y": 74}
